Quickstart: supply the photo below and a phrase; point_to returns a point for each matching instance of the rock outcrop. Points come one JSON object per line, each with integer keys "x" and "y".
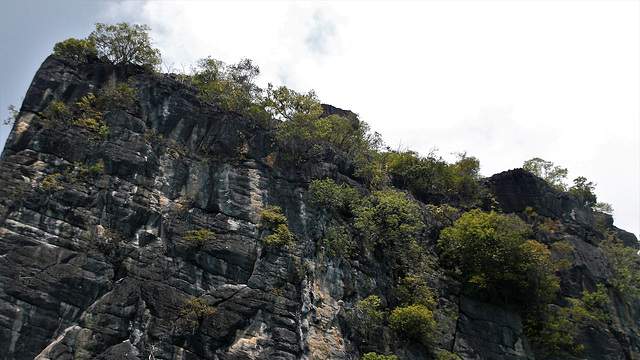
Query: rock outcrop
{"x": 93, "y": 264}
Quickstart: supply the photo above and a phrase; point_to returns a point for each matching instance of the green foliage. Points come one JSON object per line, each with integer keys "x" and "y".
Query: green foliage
{"x": 369, "y": 312}
{"x": 337, "y": 242}
{"x": 198, "y": 238}
{"x": 414, "y": 290}
{"x": 56, "y": 113}
{"x": 124, "y": 44}
{"x": 13, "y": 111}
{"x": 376, "y": 356}
{"x": 590, "y": 306}
{"x": 76, "y": 49}
{"x": 303, "y": 131}
{"x": 432, "y": 179}
{"x": 446, "y": 355}
{"x": 492, "y": 253}
{"x": 584, "y": 189}
{"x": 413, "y": 323}
{"x": 124, "y": 95}
{"x": 336, "y": 197}
{"x": 91, "y": 118}
{"x": 281, "y": 237}
{"x": 81, "y": 172}
{"x": 603, "y": 207}
{"x": 561, "y": 252}
{"x": 274, "y": 220}
{"x": 271, "y": 217}
{"x": 624, "y": 264}
{"x": 50, "y": 182}
{"x": 371, "y": 169}
{"x": 388, "y": 218}
{"x": 194, "y": 311}
{"x": 286, "y": 104}
{"x": 553, "y": 333}
{"x": 554, "y": 175}
{"x": 232, "y": 87}
{"x": 445, "y": 213}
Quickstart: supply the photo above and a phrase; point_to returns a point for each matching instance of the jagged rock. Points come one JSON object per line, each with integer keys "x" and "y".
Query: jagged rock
{"x": 97, "y": 268}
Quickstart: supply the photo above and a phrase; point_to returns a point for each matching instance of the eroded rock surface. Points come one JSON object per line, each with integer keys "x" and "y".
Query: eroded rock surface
{"x": 95, "y": 267}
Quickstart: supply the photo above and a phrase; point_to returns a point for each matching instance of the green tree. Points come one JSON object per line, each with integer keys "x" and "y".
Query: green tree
{"x": 274, "y": 220}
{"x": 369, "y": 313}
{"x": 492, "y": 253}
{"x": 624, "y": 264}
{"x": 56, "y": 113}
{"x": 232, "y": 87}
{"x": 286, "y": 104}
{"x": 554, "y": 175}
{"x": 198, "y": 238}
{"x": 193, "y": 312}
{"x": 413, "y": 322}
{"x": 124, "y": 44}
{"x": 388, "y": 218}
{"x": 584, "y": 189}
{"x": 333, "y": 196}
{"x": 432, "y": 179}
{"x": 76, "y": 49}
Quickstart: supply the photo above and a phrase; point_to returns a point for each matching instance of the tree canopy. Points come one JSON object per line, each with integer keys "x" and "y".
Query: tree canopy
{"x": 493, "y": 253}
{"x": 124, "y": 44}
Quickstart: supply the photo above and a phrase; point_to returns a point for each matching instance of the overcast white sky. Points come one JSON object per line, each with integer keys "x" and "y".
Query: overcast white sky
{"x": 505, "y": 81}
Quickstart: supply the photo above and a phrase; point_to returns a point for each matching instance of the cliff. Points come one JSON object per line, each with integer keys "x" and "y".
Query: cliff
{"x": 94, "y": 262}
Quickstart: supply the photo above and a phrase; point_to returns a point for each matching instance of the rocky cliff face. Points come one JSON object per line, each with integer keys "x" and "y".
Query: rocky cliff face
{"x": 93, "y": 264}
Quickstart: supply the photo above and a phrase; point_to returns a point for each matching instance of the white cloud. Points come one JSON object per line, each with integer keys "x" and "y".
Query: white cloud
{"x": 320, "y": 34}
{"x": 505, "y": 81}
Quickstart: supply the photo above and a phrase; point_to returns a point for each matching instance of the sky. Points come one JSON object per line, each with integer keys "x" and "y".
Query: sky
{"x": 504, "y": 81}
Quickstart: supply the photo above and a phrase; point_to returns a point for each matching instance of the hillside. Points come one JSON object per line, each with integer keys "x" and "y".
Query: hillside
{"x": 160, "y": 225}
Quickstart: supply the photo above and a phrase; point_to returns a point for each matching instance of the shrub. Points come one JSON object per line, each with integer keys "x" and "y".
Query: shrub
{"x": 624, "y": 264}
{"x": 413, "y": 323}
{"x": 432, "y": 179}
{"x": 124, "y": 44}
{"x": 50, "y": 183}
{"x": 81, "y": 172}
{"x": 414, "y": 290}
{"x": 281, "y": 237}
{"x": 388, "y": 218}
{"x": 446, "y": 355}
{"x": 337, "y": 242}
{"x": 198, "y": 238}
{"x": 376, "y": 356}
{"x": 553, "y": 333}
{"x": 369, "y": 313}
{"x": 335, "y": 197}
{"x": 492, "y": 253}
{"x": 13, "y": 111}
{"x": 272, "y": 217}
{"x": 194, "y": 311}
{"x": 76, "y": 49}
{"x": 55, "y": 113}
{"x": 91, "y": 118}
{"x": 124, "y": 95}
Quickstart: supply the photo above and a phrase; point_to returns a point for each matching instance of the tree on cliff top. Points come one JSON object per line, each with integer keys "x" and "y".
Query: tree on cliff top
{"x": 121, "y": 44}
{"x": 547, "y": 170}
{"x": 125, "y": 44}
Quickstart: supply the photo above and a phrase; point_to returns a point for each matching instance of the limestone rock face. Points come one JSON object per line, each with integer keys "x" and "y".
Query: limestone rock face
{"x": 95, "y": 265}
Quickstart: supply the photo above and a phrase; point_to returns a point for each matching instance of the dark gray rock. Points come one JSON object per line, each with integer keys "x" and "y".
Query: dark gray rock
{"x": 96, "y": 268}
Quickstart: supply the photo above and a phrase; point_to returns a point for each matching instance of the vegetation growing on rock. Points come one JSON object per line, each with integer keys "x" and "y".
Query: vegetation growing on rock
{"x": 393, "y": 253}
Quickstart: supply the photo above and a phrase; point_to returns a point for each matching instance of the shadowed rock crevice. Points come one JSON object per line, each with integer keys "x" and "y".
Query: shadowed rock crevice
{"x": 93, "y": 263}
